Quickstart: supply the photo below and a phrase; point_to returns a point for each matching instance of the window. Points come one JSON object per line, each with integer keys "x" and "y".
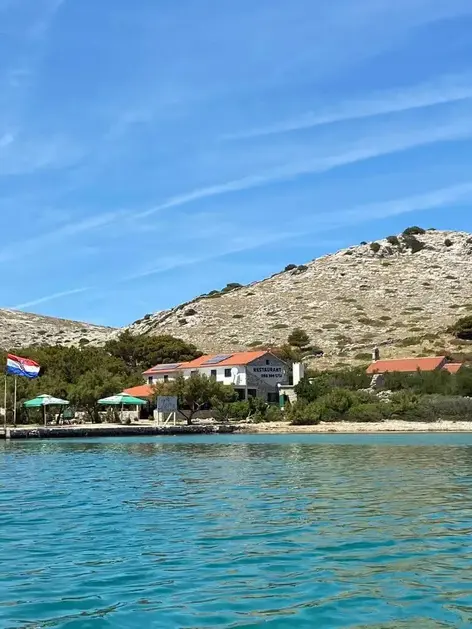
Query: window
{"x": 166, "y": 378}
{"x": 267, "y": 362}
{"x": 150, "y": 380}
{"x": 213, "y": 374}
{"x": 193, "y": 373}
{"x": 241, "y": 393}
{"x": 227, "y": 373}
{"x": 273, "y": 398}
{"x": 252, "y": 392}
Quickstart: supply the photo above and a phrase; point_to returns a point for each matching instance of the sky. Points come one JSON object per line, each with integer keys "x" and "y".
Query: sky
{"x": 154, "y": 151}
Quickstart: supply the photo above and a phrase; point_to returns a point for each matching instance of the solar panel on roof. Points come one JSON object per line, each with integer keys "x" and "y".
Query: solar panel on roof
{"x": 165, "y": 367}
{"x": 217, "y": 359}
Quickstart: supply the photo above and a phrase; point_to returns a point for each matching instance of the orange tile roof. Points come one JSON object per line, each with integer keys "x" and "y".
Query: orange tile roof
{"x": 407, "y": 365}
{"x": 237, "y": 358}
{"x": 143, "y": 390}
{"x": 453, "y": 367}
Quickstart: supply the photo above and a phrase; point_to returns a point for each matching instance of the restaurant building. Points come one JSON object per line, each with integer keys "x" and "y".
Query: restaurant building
{"x": 252, "y": 374}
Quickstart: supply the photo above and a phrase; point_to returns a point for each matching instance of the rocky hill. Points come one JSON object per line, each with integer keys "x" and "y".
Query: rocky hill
{"x": 400, "y": 293}
{"x": 20, "y": 329}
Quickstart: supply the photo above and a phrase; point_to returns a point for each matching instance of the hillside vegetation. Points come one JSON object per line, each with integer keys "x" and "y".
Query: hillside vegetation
{"x": 402, "y": 294}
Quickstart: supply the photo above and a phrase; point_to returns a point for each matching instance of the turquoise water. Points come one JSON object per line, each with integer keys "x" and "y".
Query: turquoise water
{"x": 237, "y": 531}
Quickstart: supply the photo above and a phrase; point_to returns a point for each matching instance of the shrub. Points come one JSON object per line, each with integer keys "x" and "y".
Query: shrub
{"x": 448, "y": 242}
{"x": 304, "y": 414}
{"x": 462, "y": 329}
{"x": 414, "y": 231}
{"x": 238, "y": 316}
{"x": 363, "y": 242}
{"x": 393, "y": 240}
{"x": 290, "y": 267}
{"x": 375, "y": 247}
{"x": 367, "y": 412}
{"x": 182, "y": 321}
{"x": 413, "y": 243}
{"x": 363, "y": 356}
{"x": 190, "y": 312}
{"x": 338, "y": 400}
{"x": 441, "y": 407}
{"x": 298, "y": 338}
{"x": 280, "y": 326}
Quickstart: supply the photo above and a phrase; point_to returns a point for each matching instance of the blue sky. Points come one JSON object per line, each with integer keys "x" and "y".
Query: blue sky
{"x": 155, "y": 150}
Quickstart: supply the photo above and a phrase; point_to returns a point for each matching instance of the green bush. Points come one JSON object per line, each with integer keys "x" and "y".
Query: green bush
{"x": 414, "y": 231}
{"x": 367, "y": 412}
{"x": 298, "y": 338}
{"x": 303, "y": 414}
{"x": 448, "y": 242}
{"x": 393, "y": 240}
{"x": 413, "y": 243}
{"x": 462, "y": 329}
{"x": 290, "y": 267}
{"x": 375, "y": 247}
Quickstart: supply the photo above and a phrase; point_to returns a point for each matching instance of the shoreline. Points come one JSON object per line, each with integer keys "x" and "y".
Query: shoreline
{"x": 386, "y": 427}
{"x": 275, "y": 428}
{"x": 83, "y": 431}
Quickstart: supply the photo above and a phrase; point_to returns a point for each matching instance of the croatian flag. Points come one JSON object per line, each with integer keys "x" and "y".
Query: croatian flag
{"x": 17, "y": 366}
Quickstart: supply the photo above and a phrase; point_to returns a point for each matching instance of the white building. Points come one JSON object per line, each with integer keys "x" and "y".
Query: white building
{"x": 253, "y": 374}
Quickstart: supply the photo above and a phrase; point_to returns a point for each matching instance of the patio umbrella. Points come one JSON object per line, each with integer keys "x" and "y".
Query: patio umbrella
{"x": 42, "y": 401}
{"x": 122, "y": 399}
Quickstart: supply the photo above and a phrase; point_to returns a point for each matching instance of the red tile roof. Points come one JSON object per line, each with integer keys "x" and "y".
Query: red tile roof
{"x": 237, "y": 358}
{"x": 453, "y": 367}
{"x": 143, "y": 390}
{"x": 407, "y": 365}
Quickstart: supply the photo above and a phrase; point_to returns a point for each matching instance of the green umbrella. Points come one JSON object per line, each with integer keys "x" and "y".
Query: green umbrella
{"x": 42, "y": 401}
{"x": 122, "y": 399}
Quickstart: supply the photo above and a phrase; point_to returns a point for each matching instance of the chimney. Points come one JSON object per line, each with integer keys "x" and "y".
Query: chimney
{"x": 375, "y": 354}
{"x": 298, "y": 373}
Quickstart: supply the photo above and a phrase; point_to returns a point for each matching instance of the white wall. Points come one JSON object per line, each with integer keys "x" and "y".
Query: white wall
{"x": 239, "y": 380}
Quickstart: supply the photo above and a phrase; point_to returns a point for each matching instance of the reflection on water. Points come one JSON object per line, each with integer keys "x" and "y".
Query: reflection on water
{"x": 237, "y": 531}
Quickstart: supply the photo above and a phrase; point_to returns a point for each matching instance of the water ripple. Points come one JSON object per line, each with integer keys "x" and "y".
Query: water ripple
{"x": 302, "y": 531}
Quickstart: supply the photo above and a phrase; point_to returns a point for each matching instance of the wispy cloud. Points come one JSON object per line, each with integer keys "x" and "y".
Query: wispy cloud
{"x": 237, "y": 245}
{"x": 442, "y": 91}
{"x": 68, "y": 231}
{"x": 43, "y": 300}
{"x": 375, "y": 211}
{"x": 367, "y": 149}
{"x": 322, "y": 222}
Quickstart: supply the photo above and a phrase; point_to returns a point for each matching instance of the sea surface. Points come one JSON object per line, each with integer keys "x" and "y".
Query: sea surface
{"x": 360, "y": 531}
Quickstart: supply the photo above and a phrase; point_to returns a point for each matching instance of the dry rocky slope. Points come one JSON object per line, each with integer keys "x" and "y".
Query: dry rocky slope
{"x": 21, "y": 329}
{"x": 400, "y": 294}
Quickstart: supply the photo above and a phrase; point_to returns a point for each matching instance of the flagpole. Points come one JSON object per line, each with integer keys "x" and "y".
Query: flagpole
{"x": 5, "y": 404}
{"x": 14, "y": 407}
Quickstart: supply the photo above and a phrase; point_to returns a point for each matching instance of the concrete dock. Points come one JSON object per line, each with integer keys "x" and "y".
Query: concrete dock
{"x": 110, "y": 430}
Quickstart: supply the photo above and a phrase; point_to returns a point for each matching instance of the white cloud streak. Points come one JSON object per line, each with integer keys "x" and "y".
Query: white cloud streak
{"x": 441, "y": 92}
{"x": 42, "y": 300}
{"x": 10, "y": 252}
{"x": 369, "y": 149}
{"x": 323, "y": 223}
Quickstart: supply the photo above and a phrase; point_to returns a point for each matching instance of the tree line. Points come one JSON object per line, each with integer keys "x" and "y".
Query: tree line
{"x": 87, "y": 373}
{"x": 345, "y": 395}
